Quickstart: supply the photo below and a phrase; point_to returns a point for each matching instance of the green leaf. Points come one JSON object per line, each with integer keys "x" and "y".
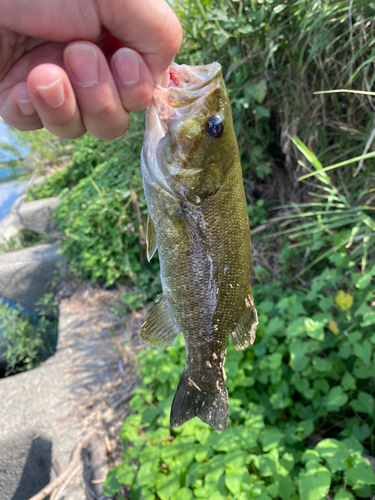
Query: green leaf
{"x": 147, "y": 474}
{"x": 259, "y": 91}
{"x": 364, "y": 403}
{"x": 111, "y": 485}
{"x": 234, "y": 479}
{"x": 348, "y": 382}
{"x": 261, "y": 112}
{"x": 335, "y": 399}
{"x": 352, "y": 444}
{"x": 183, "y": 494}
{"x": 363, "y": 351}
{"x": 361, "y": 474}
{"x": 270, "y": 438}
{"x": 322, "y": 364}
{"x": 236, "y": 459}
{"x": 246, "y": 437}
{"x": 285, "y": 487}
{"x": 125, "y": 474}
{"x": 369, "y": 319}
{"x": 312, "y": 159}
{"x": 335, "y": 453}
{"x": 213, "y": 476}
{"x": 314, "y": 482}
{"x": 202, "y": 452}
{"x": 363, "y": 281}
{"x": 363, "y": 371}
{"x": 343, "y": 495}
{"x": 196, "y": 471}
{"x": 167, "y": 485}
{"x": 314, "y": 329}
{"x": 298, "y": 349}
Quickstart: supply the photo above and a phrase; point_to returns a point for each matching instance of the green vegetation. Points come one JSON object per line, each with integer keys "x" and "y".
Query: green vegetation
{"x": 26, "y": 238}
{"x": 28, "y": 339}
{"x": 302, "y": 398}
{"x": 275, "y": 55}
{"x": 310, "y": 376}
{"x": 103, "y": 210}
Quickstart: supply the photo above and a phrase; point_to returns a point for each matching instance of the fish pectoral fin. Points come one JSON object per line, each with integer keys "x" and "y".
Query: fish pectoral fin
{"x": 150, "y": 239}
{"x": 244, "y": 332}
{"x": 159, "y": 328}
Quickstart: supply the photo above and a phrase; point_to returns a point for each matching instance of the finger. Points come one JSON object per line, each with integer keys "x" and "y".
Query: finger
{"x": 149, "y": 27}
{"x": 101, "y": 109}
{"x": 19, "y": 111}
{"x": 133, "y": 79}
{"x": 53, "y": 97}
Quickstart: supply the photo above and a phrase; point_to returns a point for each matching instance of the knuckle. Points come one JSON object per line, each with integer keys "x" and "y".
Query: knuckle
{"x": 139, "y": 99}
{"x": 28, "y": 123}
{"x": 105, "y": 111}
{"x": 112, "y": 133}
{"x": 71, "y": 129}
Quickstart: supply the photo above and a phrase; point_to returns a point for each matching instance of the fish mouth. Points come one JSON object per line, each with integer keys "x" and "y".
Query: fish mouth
{"x": 183, "y": 99}
{"x": 187, "y": 89}
{"x": 192, "y": 78}
{"x": 187, "y": 84}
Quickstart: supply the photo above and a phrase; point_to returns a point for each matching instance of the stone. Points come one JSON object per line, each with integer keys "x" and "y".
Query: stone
{"x": 11, "y": 225}
{"x": 26, "y": 275}
{"x": 37, "y": 215}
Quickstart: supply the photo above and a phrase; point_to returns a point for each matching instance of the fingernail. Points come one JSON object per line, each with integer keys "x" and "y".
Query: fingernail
{"x": 126, "y": 64}
{"x": 53, "y": 94}
{"x": 83, "y": 62}
{"x": 26, "y": 106}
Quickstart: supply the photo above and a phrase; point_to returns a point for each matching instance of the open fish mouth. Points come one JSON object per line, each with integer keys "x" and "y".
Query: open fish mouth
{"x": 187, "y": 84}
{"x": 187, "y": 89}
{"x": 191, "y": 78}
{"x": 176, "y": 114}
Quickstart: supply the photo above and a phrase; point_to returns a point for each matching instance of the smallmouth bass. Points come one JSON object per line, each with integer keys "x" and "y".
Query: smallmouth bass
{"x": 198, "y": 222}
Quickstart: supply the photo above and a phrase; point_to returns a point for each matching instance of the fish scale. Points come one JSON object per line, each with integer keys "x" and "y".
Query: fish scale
{"x": 198, "y": 223}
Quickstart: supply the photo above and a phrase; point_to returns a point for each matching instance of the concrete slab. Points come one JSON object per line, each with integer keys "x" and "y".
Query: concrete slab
{"x": 44, "y": 412}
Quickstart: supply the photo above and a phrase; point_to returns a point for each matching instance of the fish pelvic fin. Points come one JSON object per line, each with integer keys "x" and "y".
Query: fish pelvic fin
{"x": 243, "y": 334}
{"x": 159, "y": 329}
{"x": 150, "y": 239}
{"x": 209, "y": 402}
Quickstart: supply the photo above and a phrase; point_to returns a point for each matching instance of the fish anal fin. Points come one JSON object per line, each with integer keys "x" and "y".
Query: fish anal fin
{"x": 243, "y": 333}
{"x": 159, "y": 328}
{"x": 209, "y": 402}
{"x": 150, "y": 239}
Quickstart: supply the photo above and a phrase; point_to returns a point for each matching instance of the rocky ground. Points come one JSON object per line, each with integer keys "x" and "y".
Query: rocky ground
{"x": 75, "y": 401}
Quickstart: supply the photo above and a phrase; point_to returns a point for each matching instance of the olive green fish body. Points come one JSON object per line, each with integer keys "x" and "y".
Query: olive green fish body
{"x": 199, "y": 224}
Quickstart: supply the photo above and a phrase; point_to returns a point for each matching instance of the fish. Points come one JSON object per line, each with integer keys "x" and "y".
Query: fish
{"x": 198, "y": 223}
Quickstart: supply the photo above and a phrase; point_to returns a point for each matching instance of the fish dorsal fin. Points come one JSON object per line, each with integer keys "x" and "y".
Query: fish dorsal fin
{"x": 150, "y": 239}
{"x": 244, "y": 331}
{"x": 159, "y": 328}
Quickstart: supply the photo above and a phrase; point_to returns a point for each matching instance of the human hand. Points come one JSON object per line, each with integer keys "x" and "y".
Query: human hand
{"x": 61, "y": 65}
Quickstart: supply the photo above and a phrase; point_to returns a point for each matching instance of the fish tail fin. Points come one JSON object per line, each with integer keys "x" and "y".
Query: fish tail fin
{"x": 210, "y": 403}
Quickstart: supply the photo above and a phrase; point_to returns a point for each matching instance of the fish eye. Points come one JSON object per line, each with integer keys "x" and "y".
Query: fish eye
{"x": 214, "y": 127}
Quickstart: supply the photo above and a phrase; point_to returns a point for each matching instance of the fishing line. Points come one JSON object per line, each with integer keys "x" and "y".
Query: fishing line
{"x": 231, "y": 431}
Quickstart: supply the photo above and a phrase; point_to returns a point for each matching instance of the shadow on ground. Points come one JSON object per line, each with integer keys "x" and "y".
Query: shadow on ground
{"x": 36, "y": 472}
